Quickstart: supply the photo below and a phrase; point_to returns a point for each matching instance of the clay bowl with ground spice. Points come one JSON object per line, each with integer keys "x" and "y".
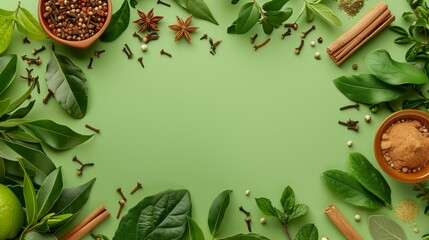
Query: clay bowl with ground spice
{"x": 75, "y": 23}
{"x": 401, "y": 146}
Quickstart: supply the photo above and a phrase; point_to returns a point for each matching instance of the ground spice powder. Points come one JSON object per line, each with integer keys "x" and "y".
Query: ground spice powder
{"x": 351, "y": 7}
{"x": 405, "y": 145}
{"x": 407, "y": 211}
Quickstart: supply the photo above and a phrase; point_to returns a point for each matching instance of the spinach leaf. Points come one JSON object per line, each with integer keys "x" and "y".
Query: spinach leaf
{"x": 366, "y": 88}
{"x": 118, "y": 23}
{"x": 370, "y": 178}
{"x": 160, "y": 216}
{"x": 194, "y": 231}
{"x": 245, "y": 236}
{"x": 197, "y": 8}
{"x": 31, "y": 207}
{"x": 49, "y": 192}
{"x": 6, "y": 32}
{"x": 217, "y": 211}
{"x": 381, "y": 227}
{"x": 392, "y": 72}
{"x": 55, "y": 135}
{"x": 29, "y": 26}
{"x": 7, "y": 69}
{"x": 324, "y": 12}
{"x": 307, "y": 232}
{"x": 68, "y": 84}
{"x": 349, "y": 189}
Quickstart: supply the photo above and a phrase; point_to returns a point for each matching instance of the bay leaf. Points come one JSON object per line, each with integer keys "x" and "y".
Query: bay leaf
{"x": 325, "y": 13}
{"x": 4, "y": 106}
{"x": 6, "y": 32}
{"x": 198, "y": 8}
{"x": 29, "y": 26}
{"x": 49, "y": 192}
{"x": 14, "y": 105}
{"x": 118, "y": 23}
{"x": 31, "y": 207}
{"x": 217, "y": 211}
{"x": 8, "y": 65}
{"x": 382, "y": 228}
{"x": 22, "y": 112}
{"x": 20, "y": 135}
{"x": 68, "y": 84}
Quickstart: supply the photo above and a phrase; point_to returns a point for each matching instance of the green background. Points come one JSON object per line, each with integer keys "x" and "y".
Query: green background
{"x": 238, "y": 120}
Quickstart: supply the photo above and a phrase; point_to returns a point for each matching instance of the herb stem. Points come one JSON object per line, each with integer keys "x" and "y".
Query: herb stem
{"x": 286, "y": 228}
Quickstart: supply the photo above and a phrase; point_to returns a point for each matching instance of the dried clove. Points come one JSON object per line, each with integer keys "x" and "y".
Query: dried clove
{"x": 150, "y": 38}
{"x": 128, "y": 50}
{"x": 291, "y": 25}
{"x": 92, "y": 128}
{"x": 136, "y": 35}
{"x": 304, "y": 34}
{"x": 29, "y": 78}
{"x": 244, "y": 211}
{"x": 356, "y": 105}
{"x": 256, "y": 47}
{"x": 36, "y": 51}
{"x": 205, "y": 36}
{"x": 98, "y": 53}
{"x": 163, "y": 3}
{"x": 248, "y": 220}
{"x": 320, "y": 40}
{"x": 46, "y": 99}
{"x": 90, "y": 63}
{"x": 214, "y": 46}
{"x": 79, "y": 171}
{"x": 252, "y": 39}
{"x": 287, "y": 33}
{"x": 26, "y": 41}
{"x": 139, "y": 186}
{"x": 140, "y": 60}
{"x": 165, "y": 53}
{"x": 298, "y": 49}
{"x": 121, "y": 206}
{"x": 36, "y": 61}
{"x": 37, "y": 84}
{"x": 119, "y": 190}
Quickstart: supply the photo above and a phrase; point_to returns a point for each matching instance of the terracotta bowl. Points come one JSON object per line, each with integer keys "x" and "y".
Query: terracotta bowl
{"x": 77, "y": 44}
{"x": 412, "y": 177}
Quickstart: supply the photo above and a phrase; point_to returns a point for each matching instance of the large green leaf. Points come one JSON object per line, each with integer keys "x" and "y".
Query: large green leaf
{"x": 72, "y": 200}
{"x": 157, "y": 217}
{"x": 7, "y": 67}
{"x": 276, "y": 18}
{"x": 118, "y": 23}
{"x": 56, "y": 135}
{"x": 197, "y": 8}
{"x": 245, "y": 236}
{"x": 366, "y": 88}
{"x": 22, "y": 112}
{"x": 194, "y": 231}
{"x": 288, "y": 200}
{"x": 31, "y": 207}
{"x": 264, "y": 204}
{"x": 382, "y": 228}
{"x": 307, "y": 232}
{"x": 68, "y": 84}
{"x": 217, "y": 211}
{"x": 392, "y": 72}
{"x": 325, "y": 13}
{"x": 29, "y": 26}
{"x": 6, "y": 32}
{"x": 247, "y": 18}
{"x": 49, "y": 192}
{"x": 370, "y": 178}
{"x": 349, "y": 189}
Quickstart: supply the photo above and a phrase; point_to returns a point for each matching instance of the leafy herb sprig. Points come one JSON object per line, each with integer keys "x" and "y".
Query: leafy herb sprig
{"x": 291, "y": 211}
{"x": 423, "y": 194}
{"x": 25, "y": 23}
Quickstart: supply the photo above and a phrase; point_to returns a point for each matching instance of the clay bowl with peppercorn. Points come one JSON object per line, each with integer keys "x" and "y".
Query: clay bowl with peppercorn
{"x": 75, "y": 23}
{"x": 401, "y": 145}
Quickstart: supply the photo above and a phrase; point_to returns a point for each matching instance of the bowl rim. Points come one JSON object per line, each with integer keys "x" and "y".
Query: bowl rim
{"x": 77, "y": 44}
{"x": 413, "y": 114}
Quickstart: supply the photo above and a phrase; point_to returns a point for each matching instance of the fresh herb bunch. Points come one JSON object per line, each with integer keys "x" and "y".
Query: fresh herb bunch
{"x": 423, "y": 194}
{"x": 399, "y": 85}
{"x": 291, "y": 211}
{"x": 25, "y": 23}
{"x": 417, "y": 34}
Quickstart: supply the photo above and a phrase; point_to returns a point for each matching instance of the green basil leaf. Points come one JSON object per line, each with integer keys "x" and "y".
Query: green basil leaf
{"x": 288, "y": 200}
{"x": 246, "y": 236}
{"x": 412, "y": 52}
{"x": 4, "y": 106}
{"x": 56, "y": 135}
{"x": 118, "y": 23}
{"x": 298, "y": 211}
{"x": 411, "y": 104}
{"x": 20, "y": 135}
{"x": 217, "y": 211}
{"x": 370, "y": 178}
{"x": 381, "y": 227}
{"x": 366, "y": 88}
{"x": 399, "y": 30}
{"x": 133, "y": 3}
{"x": 194, "y": 231}
{"x": 247, "y": 18}
{"x": 73, "y": 199}
{"x": 276, "y": 18}
{"x": 392, "y": 72}
{"x": 49, "y": 192}
{"x": 33, "y": 235}
{"x": 29, "y": 196}
{"x": 14, "y": 105}
{"x": 7, "y": 68}
{"x": 309, "y": 15}
{"x": 307, "y": 232}
{"x": 274, "y": 5}
{"x": 345, "y": 186}
{"x": 198, "y": 8}
{"x": 163, "y": 215}
{"x": 265, "y": 206}
{"x": 22, "y": 112}
{"x": 6, "y": 32}
{"x": 29, "y": 26}
{"x": 68, "y": 84}
{"x": 10, "y": 123}
{"x": 402, "y": 40}
{"x": 325, "y": 13}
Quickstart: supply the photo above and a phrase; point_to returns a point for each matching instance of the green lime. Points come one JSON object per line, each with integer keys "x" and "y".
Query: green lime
{"x": 11, "y": 214}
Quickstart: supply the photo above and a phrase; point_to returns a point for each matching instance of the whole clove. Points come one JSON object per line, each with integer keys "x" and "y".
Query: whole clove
{"x": 165, "y": 53}
{"x": 91, "y": 59}
{"x": 98, "y": 53}
{"x": 140, "y": 60}
{"x": 256, "y": 47}
{"x": 287, "y": 33}
{"x": 26, "y": 41}
{"x": 252, "y": 39}
{"x": 46, "y": 99}
{"x": 92, "y": 128}
{"x": 36, "y": 51}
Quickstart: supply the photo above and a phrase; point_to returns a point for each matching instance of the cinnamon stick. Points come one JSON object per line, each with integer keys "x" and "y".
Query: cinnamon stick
{"x": 87, "y": 224}
{"x": 338, "y": 219}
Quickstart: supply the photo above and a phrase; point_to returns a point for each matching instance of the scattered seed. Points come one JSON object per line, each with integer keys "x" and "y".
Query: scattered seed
{"x": 367, "y": 118}
{"x": 320, "y": 40}
{"x": 144, "y": 47}
{"x": 247, "y": 192}
{"x": 355, "y": 66}
{"x": 357, "y": 217}
{"x": 324, "y": 238}
{"x": 312, "y": 43}
{"x": 407, "y": 211}
{"x": 262, "y": 220}
{"x": 317, "y": 55}
{"x": 350, "y": 143}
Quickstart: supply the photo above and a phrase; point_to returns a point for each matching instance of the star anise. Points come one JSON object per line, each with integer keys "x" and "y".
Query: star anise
{"x": 183, "y": 28}
{"x": 148, "y": 21}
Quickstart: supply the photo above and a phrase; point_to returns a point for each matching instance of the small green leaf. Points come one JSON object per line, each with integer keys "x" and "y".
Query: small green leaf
{"x": 10, "y": 123}
{"x": 4, "y": 106}
{"x": 234, "y": 1}
{"x": 30, "y": 26}
{"x": 22, "y": 112}
{"x": 412, "y": 52}
{"x": 399, "y": 30}
{"x": 288, "y": 200}
{"x": 133, "y": 3}
{"x": 245, "y": 236}
{"x": 20, "y": 135}
{"x": 382, "y": 228}
{"x": 56, "y": 135}
{"x": 402, "y": 40}
{"x": 247, "y": 18}
{"x": 7, "y": 67}
{"x": 194, "y": 231}
{"x": 49, "y": 192}
{"x": 274, "y": 5}
{"x": 276, "y": 18}
{"x": 366, "y": 88}
{"x": 370, "y": 178}
{"x": 307, "y": 232}
{"x": 6, "y": 32}
{"x": 265, "y": 206}
{"x": 267, "y": 27}
{"x": 349, "y": 189}
{"x": 298, "y": 211}
{"x": 29, "y": 196}
{"x": 68, "y": 84}
{"x": 198, "y": 8}
{"x": 407, "y": 14}
{"x": 411, "y": 104}
{"x": 118, "y": 23}
{"x": 58, "y": 221}
{"x": 217, "y": 211}
{"x": 14, "y": 105}
{"x": 325, "y": 13}
{"x": 392, "y": 72}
